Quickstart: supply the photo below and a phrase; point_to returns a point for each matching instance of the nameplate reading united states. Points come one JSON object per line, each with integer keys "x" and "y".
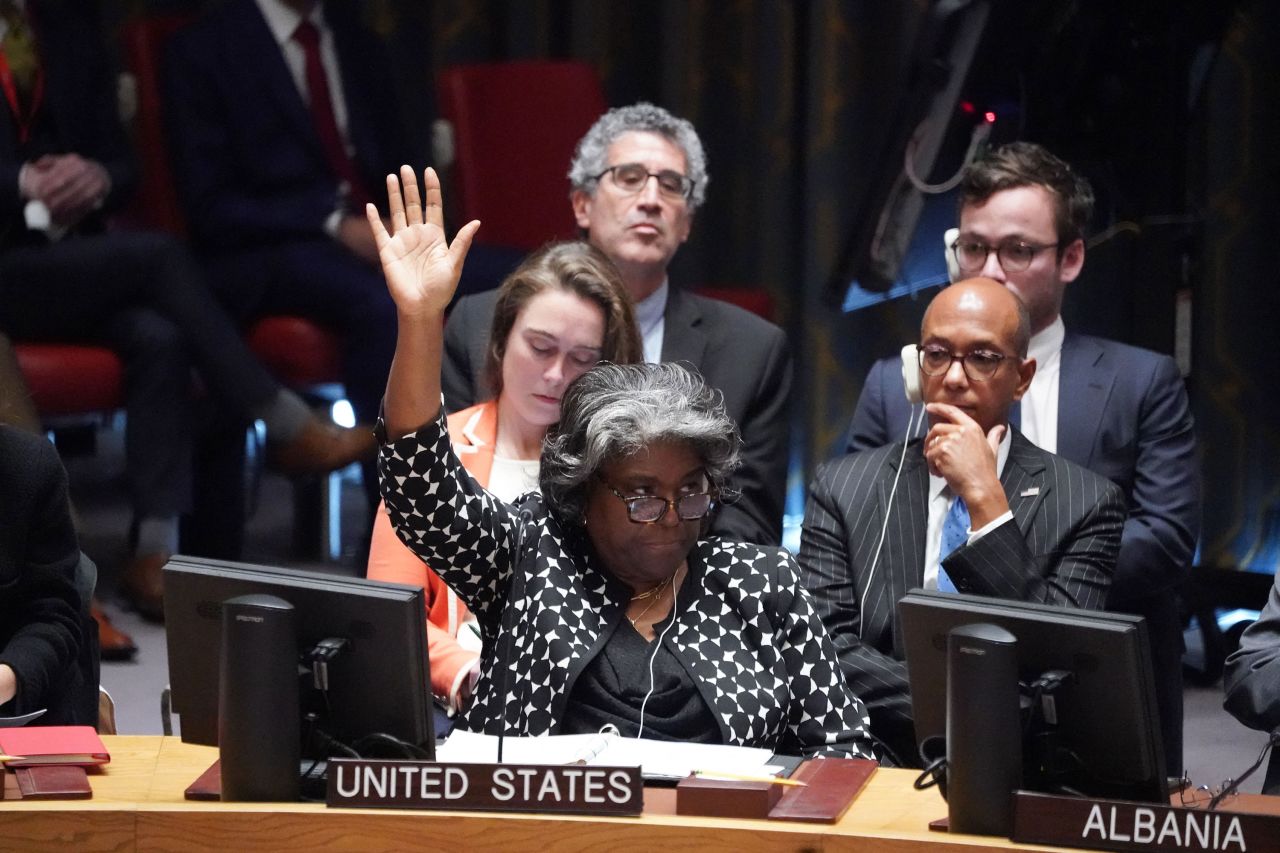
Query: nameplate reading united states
{"x": 1119, "y": 825}
{"x": 567, "y": 788}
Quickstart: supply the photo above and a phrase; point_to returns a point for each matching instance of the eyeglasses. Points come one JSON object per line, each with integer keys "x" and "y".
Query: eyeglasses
{"x": 631, "y": 178}
{"x": 649, "y": 509}
{"x": 1014, "y": 257}
{"x": 979, "y": 365}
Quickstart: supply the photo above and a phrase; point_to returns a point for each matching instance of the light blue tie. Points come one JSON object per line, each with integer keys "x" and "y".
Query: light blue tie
{"x": 955, "y": 532}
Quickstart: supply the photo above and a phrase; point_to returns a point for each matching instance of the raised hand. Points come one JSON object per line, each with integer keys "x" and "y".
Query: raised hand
{"x": 420, "y": 266}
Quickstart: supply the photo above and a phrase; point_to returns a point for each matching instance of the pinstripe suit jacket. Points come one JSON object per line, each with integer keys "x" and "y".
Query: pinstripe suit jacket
{"x": 1060, "y": 548}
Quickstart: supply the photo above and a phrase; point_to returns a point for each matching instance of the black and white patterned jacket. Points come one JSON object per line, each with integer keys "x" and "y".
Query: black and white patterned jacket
{"x": 746, "y": 631}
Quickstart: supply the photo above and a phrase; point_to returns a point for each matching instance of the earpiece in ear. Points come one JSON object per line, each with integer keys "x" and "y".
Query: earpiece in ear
{"x": 911, "y": 374}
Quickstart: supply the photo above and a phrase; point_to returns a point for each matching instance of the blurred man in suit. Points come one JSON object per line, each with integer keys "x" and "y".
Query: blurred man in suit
{"x": 1124, "y": 411}
{"x": 637, "y": 178}
{"x": 282, "y": 126}
{"x": 64, "y": 165}
{"x": 973, "y": 507}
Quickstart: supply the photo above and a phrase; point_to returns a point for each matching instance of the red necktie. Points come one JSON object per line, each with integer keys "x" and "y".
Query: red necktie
{"x": 321, "y": 106}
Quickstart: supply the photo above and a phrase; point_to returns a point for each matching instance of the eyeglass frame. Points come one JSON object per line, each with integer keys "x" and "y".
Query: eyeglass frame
{"x": 1036, "y": 248}
{"x": 686, "y": 182}
{"x": 713, "y": 496}
{"x": 1000, "y": 357}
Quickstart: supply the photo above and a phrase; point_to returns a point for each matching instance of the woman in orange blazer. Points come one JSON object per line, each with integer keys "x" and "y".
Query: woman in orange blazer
{"x": 563, "y": 310}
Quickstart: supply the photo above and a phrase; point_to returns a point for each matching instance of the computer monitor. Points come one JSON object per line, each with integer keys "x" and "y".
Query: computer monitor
{"x": 1106, "y": 713}
{"x": 378, "y": 682}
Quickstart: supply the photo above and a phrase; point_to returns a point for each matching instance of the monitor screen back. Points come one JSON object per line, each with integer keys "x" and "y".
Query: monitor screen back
{"x": 378, "y": 684}
{"x": 1107, "y": 712}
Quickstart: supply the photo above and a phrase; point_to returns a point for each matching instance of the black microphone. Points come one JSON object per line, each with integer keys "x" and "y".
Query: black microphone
{"x": 523, "y": 519}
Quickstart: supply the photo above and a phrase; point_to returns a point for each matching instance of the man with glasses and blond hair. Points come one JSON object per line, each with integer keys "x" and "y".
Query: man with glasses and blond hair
{"x": 1118, "y": 410}
{"x": 637, "y": 178}
{"x": 973, "y": 507}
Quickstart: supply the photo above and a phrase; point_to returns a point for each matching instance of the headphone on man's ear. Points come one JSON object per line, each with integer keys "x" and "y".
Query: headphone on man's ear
{"x": 911, "y": 374}
{"x": 910, "y": 353}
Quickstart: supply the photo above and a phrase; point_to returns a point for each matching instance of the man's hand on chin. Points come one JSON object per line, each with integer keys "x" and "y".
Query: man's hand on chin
{"x": 958, "y": 451}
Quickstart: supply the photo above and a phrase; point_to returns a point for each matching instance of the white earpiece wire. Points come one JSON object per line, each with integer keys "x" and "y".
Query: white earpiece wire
{"x": 914, "y": 422}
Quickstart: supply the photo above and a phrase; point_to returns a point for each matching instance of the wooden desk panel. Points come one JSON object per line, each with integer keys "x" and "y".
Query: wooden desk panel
{"x": 138, "y": 804}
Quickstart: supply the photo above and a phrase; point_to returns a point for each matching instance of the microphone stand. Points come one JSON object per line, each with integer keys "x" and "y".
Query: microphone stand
{"x": 523, "y": 518}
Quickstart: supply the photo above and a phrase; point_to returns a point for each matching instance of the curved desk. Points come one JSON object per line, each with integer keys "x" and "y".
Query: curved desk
{"x": 138, "y": 805}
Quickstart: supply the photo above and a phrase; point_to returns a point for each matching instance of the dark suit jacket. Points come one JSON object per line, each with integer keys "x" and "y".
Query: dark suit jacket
{"x": 1122, "y": 413}
{"x": 79, "y": 114}
{"x": 44, "y": 628}
{"x": 1060, "y": 549}
{"x": 1252, "y": 679}
{"x": 745, "y": 357}
{"x": 247, "y": 158}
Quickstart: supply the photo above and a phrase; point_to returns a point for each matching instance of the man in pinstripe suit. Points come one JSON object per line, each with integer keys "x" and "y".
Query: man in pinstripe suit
{"x": 1038, "y": 528}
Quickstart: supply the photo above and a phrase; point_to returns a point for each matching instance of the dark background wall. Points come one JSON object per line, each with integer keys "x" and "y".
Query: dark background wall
{"x": 1168, "y": 107}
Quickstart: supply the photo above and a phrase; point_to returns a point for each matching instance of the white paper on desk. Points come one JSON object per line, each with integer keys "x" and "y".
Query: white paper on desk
{"x": 657, "y": 759}
{"x": 478, "y": 748}
{"x": 14, "y": 722}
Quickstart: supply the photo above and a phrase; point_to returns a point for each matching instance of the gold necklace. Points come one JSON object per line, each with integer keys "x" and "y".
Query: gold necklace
{"x": 642, "y": 596}
{"x": 647, "y": 607}
{"x": 652, "y": 592}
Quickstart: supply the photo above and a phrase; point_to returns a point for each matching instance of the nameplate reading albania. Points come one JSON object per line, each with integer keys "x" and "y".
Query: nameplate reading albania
{"x": 569, "y": 788}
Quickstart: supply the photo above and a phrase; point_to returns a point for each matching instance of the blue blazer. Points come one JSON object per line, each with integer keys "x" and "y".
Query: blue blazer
{"x": 247, "y": 159}
{"x": 1122, "y": 413}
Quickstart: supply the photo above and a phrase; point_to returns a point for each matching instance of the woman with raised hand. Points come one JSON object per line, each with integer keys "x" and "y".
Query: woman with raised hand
{"x": 600, "y": 595}
{"x": 563, "y": 310}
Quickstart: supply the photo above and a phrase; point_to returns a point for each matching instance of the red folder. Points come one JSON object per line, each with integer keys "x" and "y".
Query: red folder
{"x": 36, "y": 745}
{"x": 53, "y": 782}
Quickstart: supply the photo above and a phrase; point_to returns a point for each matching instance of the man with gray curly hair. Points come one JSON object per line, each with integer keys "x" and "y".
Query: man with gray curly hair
{"x": 636, "y": 180}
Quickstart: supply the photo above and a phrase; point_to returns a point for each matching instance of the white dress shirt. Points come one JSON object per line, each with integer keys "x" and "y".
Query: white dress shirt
{"x": 940, "y": 500}
{"x": 651, "y": 320}
{"x": 1040, "y": 403}
{"x": 283, "y": 21}
{"x": 511, "y": 478}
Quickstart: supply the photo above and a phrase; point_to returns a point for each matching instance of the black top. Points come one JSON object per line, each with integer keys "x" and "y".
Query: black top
{"x": 45, "y": 633}
{"x": 745, "y": 630}
{"x": 613, "y": 685}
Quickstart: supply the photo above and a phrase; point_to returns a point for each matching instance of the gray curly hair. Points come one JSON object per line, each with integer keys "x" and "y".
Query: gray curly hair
{"x": 591, "y": 156}
{"x": 613, "y": 411}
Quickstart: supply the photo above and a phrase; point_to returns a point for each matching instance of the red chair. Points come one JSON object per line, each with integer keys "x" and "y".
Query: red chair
{"x": 515, "y": 125}
{"x": 300, "y": 353}
{"x": 71, "y": 379}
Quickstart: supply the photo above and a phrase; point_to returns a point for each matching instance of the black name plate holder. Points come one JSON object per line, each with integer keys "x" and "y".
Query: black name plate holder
{"x": 1122, "y": 825}
{"x": 561, "y": 788}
